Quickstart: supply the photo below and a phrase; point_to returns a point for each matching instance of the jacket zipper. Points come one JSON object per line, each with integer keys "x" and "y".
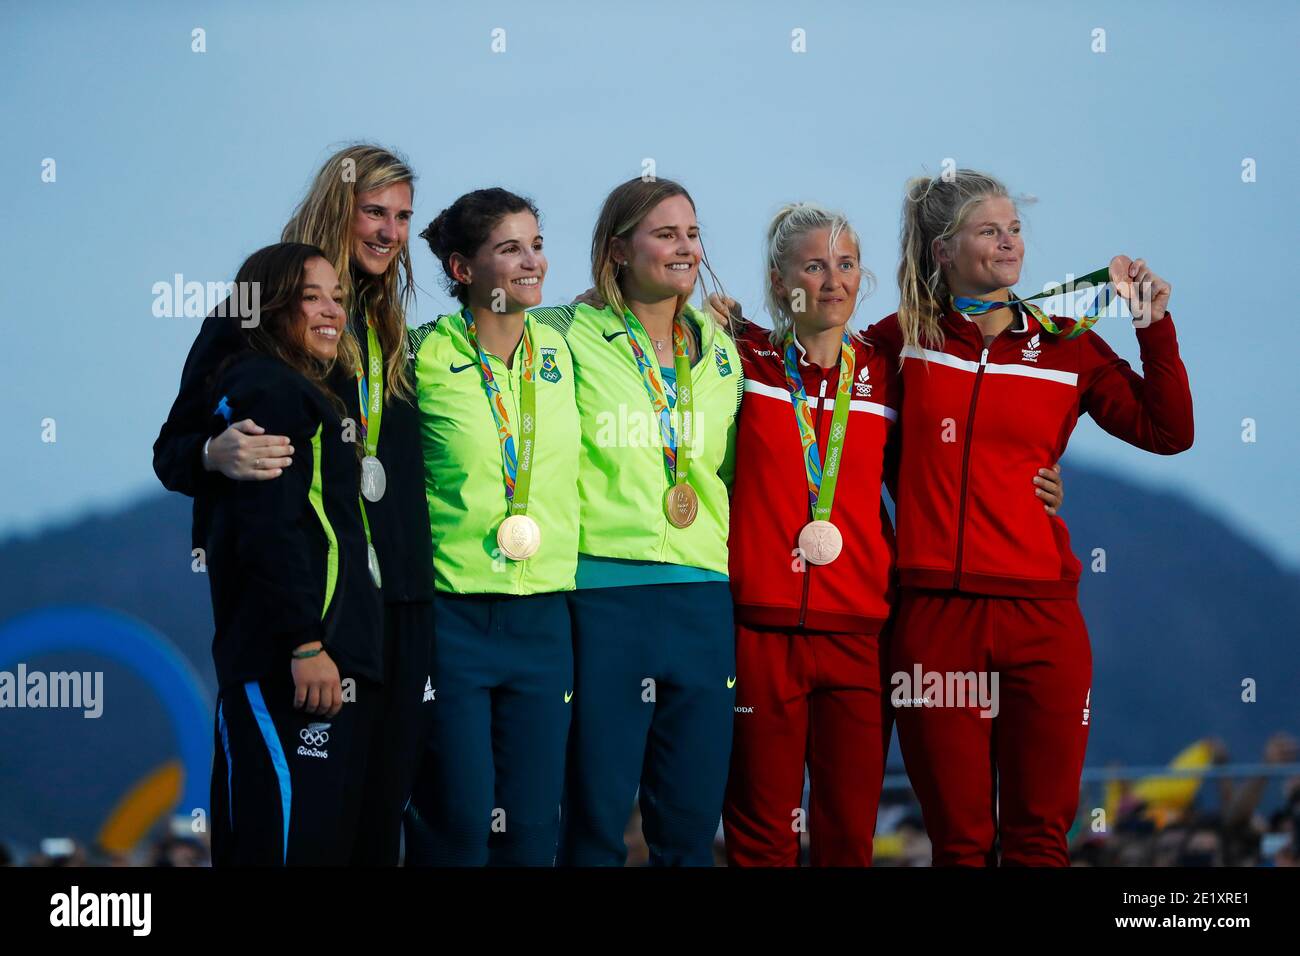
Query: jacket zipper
{"x": 965, "y": 469}
{"x": 807, "y": 568}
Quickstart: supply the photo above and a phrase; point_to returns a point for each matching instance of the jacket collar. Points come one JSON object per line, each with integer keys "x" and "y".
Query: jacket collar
{"x": 612, "y": 322}
{"x": 803, "y": 353}
{"x": 460, "y": 331}
{"x": 805, "y": 362}
{"x": 1024, "y": 322}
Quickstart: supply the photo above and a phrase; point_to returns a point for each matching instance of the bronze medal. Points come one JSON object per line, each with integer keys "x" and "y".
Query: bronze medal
{"x": 681, "y": 505}
{"x": 820, "y": 542}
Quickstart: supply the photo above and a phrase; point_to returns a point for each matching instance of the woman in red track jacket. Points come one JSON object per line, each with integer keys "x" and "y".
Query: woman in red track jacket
{"x": 809, "y": 680}
{"x": 990, "y": 661}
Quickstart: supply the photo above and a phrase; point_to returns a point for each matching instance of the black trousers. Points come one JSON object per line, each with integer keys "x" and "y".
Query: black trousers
{"x": 399, "y": 732}
{"x": 287, "y": 786}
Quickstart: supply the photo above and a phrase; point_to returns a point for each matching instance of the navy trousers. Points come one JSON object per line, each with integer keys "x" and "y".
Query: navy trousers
{"x": 654, "y": 669}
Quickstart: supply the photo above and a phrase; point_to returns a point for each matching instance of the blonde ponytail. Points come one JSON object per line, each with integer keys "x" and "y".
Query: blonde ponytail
{"x": 933, "y": 208}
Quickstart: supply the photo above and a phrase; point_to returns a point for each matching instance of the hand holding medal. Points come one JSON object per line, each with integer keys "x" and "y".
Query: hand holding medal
{"x": 1145, "y": 292}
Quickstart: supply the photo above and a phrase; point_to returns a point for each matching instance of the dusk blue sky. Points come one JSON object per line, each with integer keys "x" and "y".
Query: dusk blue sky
{"x": 171, "y": 161}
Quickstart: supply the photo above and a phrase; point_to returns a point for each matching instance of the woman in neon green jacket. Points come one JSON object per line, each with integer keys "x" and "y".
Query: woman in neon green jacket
{"x": 658, "y": 385}
{"x": 500, "y": 431}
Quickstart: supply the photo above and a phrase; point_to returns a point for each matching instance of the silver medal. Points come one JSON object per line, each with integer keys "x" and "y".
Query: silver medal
{"x": 373, "y": 479}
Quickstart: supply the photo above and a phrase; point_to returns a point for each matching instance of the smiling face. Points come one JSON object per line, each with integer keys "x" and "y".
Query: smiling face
{"x": 510, "y": 260}
{"x": 320, "y": 316}
{"x": 662, "y": 255}
{"x": 986, "y": 253}
{"x": 819, "y": 283}
{"x": 381, "y": 225}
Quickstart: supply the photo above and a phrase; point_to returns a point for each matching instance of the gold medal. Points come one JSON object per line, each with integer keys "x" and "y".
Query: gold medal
{"x": 681, "y": 505}
{"x": 519, "y": 537}
{"x": 820, "y": 542}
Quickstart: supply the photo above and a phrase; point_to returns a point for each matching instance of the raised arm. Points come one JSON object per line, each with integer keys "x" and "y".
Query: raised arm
{"x": 1154, "y": 410}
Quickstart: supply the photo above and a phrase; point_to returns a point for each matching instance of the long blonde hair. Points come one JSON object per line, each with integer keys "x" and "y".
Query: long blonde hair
{"x": 622, "y": 212}
{"x": 933, "y": 208}
{"x": 791, "y": 223}
{"x": 324, "y": 219}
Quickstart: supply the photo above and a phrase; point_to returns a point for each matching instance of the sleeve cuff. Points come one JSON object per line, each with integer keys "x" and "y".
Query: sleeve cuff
{"x": 303, "y": 635}
{"x": 1158, "y": 334}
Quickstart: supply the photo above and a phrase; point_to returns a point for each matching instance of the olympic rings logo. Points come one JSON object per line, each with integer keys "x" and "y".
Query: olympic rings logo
{"x": 314, "y": 735}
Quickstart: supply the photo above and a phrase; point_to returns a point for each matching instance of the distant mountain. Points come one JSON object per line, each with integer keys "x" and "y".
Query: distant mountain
{"x": 1186, "y": 609}
{"x": 136, "y": 560}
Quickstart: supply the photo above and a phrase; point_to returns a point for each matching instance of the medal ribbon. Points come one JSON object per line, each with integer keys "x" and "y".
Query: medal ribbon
{"x": 1099, "y": 278}
{"x": 821, "y": 479}
{"x": 517, "y": 469}
{"x": 371, "y": 391}
{"x": 365, "y": 523}
{"x": 676, "y": 465}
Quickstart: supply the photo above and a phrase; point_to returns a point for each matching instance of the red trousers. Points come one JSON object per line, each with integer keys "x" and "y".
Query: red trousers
{"x": 814, "y": 699}
{"x": 1012, "y": 776}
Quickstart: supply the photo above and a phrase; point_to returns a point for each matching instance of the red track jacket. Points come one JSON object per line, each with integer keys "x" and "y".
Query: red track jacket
{"x": 978, "y": 423}
{"x": 769, "y": 502}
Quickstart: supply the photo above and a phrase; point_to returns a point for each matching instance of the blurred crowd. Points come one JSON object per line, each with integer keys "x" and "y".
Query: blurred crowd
{"x": 1154, "y": 828}
{"x": 169, "y": 850}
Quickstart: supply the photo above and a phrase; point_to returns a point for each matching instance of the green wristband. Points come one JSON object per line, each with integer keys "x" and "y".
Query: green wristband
{"x": 303, "y": 655}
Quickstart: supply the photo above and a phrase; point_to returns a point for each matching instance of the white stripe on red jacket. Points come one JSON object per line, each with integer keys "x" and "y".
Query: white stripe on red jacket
{"x": 978, "y": 423}
{"x": 770, "y": 502}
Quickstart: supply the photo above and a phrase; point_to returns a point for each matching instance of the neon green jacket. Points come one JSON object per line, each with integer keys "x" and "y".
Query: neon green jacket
{"x": 622, "y": 478}
{"x": 462, "y": 460}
